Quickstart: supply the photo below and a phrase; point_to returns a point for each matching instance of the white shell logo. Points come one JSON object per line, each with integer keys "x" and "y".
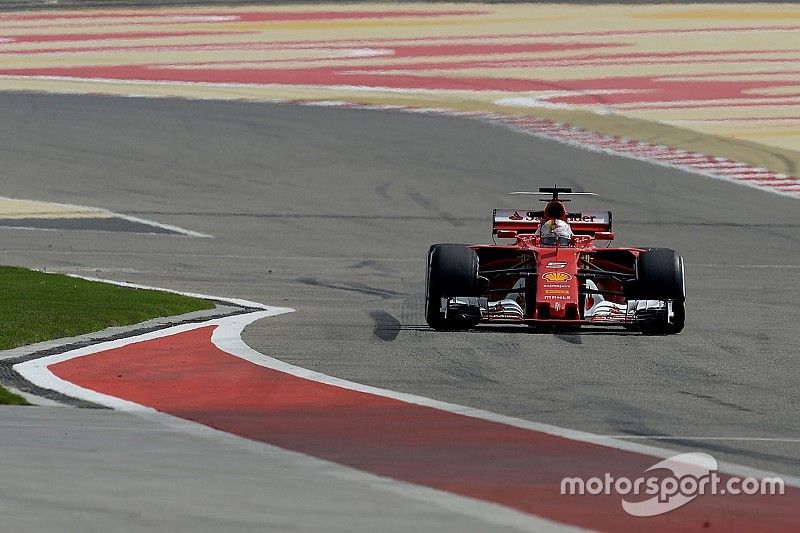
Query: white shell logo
{"x": 687, "y": 470}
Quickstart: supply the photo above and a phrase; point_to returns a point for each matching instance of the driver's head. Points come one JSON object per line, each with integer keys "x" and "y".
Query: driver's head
{"x": 555, "y": 228}
{"x": 555, "y": 210}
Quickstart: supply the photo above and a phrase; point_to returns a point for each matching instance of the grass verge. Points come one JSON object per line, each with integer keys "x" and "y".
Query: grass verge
{"x": 39, "y": 307}
{"x": 9, "y": 398}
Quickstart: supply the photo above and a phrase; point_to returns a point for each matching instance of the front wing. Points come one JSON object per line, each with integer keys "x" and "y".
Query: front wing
{"x": 632, "y": 313}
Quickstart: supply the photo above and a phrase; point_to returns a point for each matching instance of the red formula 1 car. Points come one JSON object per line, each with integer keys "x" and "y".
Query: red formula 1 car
{"x": 554, "y": 275}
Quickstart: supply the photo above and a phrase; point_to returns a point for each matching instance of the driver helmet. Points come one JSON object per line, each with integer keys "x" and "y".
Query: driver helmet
{"x": 554, "y": 228}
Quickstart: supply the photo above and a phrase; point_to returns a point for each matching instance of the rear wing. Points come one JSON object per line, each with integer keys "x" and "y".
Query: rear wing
{"x": 522, "y": 221}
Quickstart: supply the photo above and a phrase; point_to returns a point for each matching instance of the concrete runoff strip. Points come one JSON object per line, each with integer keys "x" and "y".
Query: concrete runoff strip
{"x": 169, "y": 474}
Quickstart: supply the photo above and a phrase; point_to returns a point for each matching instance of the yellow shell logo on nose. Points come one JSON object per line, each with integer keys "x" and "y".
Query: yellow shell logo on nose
{"x": 556, "y": 276}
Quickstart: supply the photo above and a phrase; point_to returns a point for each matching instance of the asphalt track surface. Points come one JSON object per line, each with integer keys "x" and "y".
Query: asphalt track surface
{"x": 330, "y": 211}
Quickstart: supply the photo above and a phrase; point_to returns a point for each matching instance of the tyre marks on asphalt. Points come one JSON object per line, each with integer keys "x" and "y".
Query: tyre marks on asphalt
{"x": 429, "y": 205}
{"x": 719, "y": 168}
{"x": 360, "y": 288}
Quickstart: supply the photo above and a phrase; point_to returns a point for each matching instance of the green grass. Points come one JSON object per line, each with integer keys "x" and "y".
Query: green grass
{"x": 9, "y": 398}
{"x": 36, "y": 307}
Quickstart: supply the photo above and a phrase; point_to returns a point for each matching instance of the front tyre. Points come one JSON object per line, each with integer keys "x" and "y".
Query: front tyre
{"x": 660, "y": 276}
{"x": 452, "y": 270}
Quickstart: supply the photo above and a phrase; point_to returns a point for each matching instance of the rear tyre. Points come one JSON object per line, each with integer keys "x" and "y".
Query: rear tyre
{"x": 452, "y": 271}
{"x": 660, "y": 276}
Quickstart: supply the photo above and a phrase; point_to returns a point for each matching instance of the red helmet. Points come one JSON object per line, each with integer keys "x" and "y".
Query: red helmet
{"x": 555, "y": 210}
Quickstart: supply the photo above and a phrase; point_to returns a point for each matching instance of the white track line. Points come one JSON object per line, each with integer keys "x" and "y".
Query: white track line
{"x": 681, "y": 437}
{"x": 105, "y": 213}
{"x": 168, "y": 227}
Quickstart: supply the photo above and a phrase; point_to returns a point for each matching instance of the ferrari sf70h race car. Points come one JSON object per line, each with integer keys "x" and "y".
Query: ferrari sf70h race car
{"x": 554, "y": 275}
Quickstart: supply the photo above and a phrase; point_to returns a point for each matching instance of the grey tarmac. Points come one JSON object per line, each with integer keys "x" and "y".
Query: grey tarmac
{"x": 67, "y": 469}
